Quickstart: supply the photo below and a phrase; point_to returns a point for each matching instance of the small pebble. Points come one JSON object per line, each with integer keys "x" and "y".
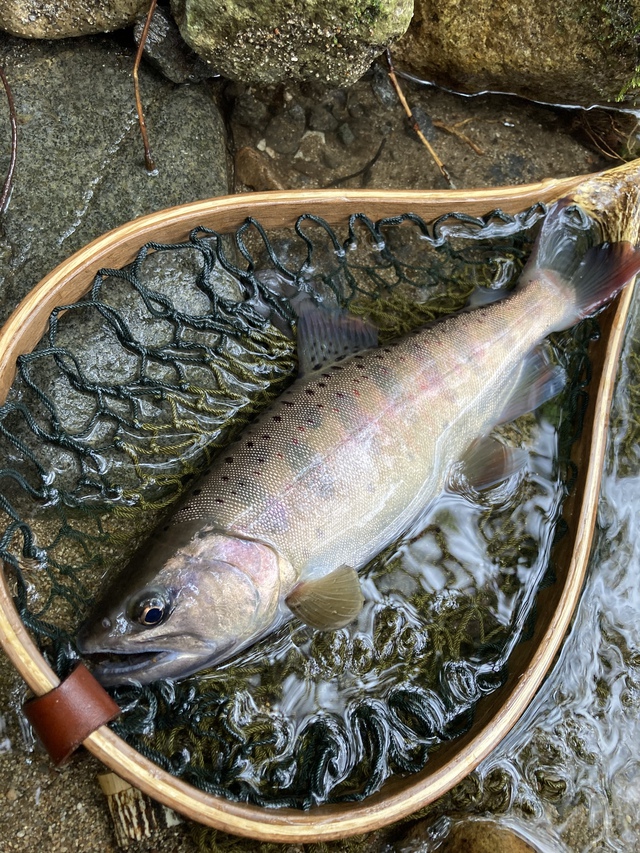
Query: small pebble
{"x": 345, "y": 134}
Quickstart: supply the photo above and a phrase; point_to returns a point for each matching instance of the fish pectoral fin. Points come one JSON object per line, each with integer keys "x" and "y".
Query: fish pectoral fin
{"x": 539, "y": 380}
{"x": 326, "y": 335}
{"x": 329, "y": 602}
{"x": 488, "y": 462}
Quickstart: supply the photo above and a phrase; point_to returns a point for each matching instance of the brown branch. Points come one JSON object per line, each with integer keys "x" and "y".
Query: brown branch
{"x": 8, "y": 181}
{"x": 453, "y": 130}
{"x": 148, "y": 160}
{"x": 414, "y": 123}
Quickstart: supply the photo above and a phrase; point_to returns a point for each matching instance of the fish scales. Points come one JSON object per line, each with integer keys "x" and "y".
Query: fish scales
{"x": 348, "y": 456}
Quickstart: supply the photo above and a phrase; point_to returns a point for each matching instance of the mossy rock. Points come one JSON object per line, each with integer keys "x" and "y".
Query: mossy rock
{"x": 556, "y": 51}
{"x": 333, "y": 41}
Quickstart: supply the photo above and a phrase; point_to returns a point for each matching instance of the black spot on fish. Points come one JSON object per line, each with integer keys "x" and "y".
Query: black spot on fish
{"x": 219, "y": 500}
{"x": 310, "y": 391}
{"x": 249, "y": 444}
{"x": 224, "y": 478}
{"x": 228, "y": 459}
{"x": 277, "y": 418}
{"x": 197, "y": 491}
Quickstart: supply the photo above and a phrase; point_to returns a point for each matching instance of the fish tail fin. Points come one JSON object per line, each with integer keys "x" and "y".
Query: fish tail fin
{"x": 603, "y": 272}
{"x": 590, "y": 277}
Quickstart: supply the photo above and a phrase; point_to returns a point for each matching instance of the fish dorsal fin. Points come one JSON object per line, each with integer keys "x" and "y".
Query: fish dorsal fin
{"x": 326, "y": 335}
{"x": 538, "y": 381}
{"x": 488, "y": 462}
{"x": 329, "y": 602}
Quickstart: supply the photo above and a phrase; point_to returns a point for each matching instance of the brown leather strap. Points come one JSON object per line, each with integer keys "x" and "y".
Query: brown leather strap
{"x": 68, "y": 714}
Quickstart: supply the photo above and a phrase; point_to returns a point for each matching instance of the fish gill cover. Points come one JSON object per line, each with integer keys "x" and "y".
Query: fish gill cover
{"x": 134, "y": 388}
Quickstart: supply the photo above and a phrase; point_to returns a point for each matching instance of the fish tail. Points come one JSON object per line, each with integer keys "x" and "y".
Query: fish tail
{"x": 588, "y": 277}
{"x": 603, "y": 272}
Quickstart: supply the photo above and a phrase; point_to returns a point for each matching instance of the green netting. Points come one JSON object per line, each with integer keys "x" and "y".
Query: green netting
{"x": 132, "y": 390}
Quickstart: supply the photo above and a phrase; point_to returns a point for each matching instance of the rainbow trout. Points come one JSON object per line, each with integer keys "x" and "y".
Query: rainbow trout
{"x": 340, "y": 466}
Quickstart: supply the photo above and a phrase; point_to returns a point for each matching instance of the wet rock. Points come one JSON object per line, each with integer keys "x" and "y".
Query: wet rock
{"x": 250, "y": 111}
{"x": 479, "y": 836}
{"x": 330, "y": 40}
{"x": 383, "y": 87}
{"x": 257, "y": 171}
{"x": 484, "y": 837}
{"x": 346, "y": 135}
{"x": 285, "y": 130}
{"x": 557, "y": 51}
{"x": 39, "y": 19}
{"x": 167, "y": 52}
{"x": 80, "y": 165}
{"x": 424, "y": 123}
{"x": 321, "y": 119}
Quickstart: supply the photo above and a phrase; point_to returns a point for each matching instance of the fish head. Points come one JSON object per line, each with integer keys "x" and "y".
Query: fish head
{"x": 190, "y": 600}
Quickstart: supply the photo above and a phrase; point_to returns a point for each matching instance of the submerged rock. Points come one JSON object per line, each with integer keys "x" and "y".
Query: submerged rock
{"x": 38, "y": 19}
{"x": 259, "y": 42}
{"x": 557, "y": 51}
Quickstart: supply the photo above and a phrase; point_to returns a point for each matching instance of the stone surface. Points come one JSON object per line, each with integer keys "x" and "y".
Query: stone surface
{"x": 256, "y": 42}
{"x": 40, "y": 19}
{"x": 80, "y": 167}
{"x": 166, "y": 51}
{"x": 556, "y": 51}
{"x": 484, "y": 836}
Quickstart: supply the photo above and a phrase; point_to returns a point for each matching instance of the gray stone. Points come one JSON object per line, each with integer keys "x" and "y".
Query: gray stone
{"x": 80, "y": 167}
{"x": 329, "y": 40}
{"x": 284, "y": 131}
{"x": 557, "y": 51}
{"x": 345, "y": 134}
{"x": 167, "y": 52}
{"x": 321, "y": 119}
{"x": 249, "y": 111}
{"x": 40, "y": 19}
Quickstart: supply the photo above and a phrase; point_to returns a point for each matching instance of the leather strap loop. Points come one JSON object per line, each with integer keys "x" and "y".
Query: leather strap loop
{"x": 70, "y": 712}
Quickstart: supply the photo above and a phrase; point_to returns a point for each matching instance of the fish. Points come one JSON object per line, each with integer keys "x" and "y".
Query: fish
{"x": 343, "y": 464}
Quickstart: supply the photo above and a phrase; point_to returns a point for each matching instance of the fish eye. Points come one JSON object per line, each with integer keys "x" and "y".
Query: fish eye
{"x": 151, "y": 610}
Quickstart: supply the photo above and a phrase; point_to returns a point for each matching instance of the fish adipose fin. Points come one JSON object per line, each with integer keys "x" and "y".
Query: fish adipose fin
{"x": 538, "y": 381}
{"x": 326, "y": 335}
{"x": 329, "y": 602}
{"x": 488, "y": 462}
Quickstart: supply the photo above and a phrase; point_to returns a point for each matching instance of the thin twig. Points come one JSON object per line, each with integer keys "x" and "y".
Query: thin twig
{"x": 8, "y": 181}
{"x": 148, "y": 160}
{"x": 453, "y": 130}
{"x": 414, "y": 123}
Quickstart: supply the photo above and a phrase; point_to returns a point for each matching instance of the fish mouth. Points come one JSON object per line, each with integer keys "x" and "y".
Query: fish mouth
{"x": 137, "y": 668}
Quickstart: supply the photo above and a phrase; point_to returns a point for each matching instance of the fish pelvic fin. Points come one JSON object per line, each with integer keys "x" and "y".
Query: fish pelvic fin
{"x": 326, "y": 335}
{"x": 488, "y": 462}
{"x": 538, "y": 380}
{"x": 588, "y": 277}
{"x": 328, "y": 602}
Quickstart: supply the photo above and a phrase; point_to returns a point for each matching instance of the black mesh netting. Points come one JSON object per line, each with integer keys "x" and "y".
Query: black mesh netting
{"x": 131, "y": 391}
